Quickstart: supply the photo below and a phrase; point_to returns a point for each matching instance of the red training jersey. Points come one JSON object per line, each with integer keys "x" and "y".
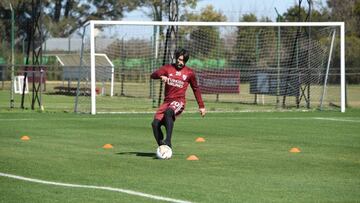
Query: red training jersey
{"x": 179, "y": 80}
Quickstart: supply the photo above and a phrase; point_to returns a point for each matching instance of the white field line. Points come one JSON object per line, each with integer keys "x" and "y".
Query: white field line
{"x": 337, "y": 119}
{"x": 342, "y": 119}
{"x": 130, "y": 192}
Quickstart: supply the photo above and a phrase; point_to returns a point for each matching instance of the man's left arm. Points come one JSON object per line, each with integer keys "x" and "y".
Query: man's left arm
{"x": 197, "y": 93}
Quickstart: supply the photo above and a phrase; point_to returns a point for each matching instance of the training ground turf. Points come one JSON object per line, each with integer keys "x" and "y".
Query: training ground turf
{"x": 245, "y": 158}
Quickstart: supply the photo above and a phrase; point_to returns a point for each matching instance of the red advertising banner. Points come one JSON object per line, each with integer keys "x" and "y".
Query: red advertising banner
{"x": 216, "y": 81}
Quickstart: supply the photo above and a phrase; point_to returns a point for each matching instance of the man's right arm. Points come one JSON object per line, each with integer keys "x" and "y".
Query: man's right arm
{"x": 158, "y": 73}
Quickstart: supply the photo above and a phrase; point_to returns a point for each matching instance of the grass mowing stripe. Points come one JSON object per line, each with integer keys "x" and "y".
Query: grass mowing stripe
{"x": 130, "y": 192}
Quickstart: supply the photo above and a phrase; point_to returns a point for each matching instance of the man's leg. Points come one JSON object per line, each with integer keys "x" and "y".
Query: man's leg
{"x": 158, "y": 134}
{"x": 169, "y": 117}
{"x": 165, "y": 115}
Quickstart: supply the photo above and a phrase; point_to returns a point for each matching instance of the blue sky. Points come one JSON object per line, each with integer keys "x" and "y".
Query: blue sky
{"x": 234, "y": 9}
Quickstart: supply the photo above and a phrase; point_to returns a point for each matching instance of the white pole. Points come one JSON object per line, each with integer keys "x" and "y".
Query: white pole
{"x": 342, "y": 65}
{"x": 112, "y": 82}
{"x": 92, "y": 68}
{"x": 327, "y": 70}
{"x": 112, "y": 72}
{"x": 156, "y": 44}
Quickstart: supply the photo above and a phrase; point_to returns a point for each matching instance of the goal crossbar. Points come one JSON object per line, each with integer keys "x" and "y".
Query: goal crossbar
{"x": 248, "y": 24}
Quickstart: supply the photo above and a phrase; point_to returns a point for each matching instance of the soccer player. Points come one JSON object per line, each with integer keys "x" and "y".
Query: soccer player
{"x": 177, "y": 78}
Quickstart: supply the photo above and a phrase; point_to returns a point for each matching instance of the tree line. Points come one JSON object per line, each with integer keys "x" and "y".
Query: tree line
{"x": 62, "y": 18}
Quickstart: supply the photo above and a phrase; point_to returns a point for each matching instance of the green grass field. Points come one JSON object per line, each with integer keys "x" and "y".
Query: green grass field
{"x": 137, "y": 99}
{"x": 245, "y": 157}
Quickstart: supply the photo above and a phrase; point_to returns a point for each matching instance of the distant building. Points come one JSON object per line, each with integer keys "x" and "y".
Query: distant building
{"x": 67, "y": 45}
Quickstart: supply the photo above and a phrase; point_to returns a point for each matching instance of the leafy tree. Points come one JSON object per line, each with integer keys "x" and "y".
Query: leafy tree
{"x": 245, "y": 51}
{"x": 249, "y": 18}
{"x": 65, "y": 16}
{"x": 62, "y": 17}
{"x": 352, "y": 51}
{"x": 348, "y": 12}
{"x": 205, "y": 40}
{"x": 251, "y": 42}
{"x": 296, "y": 14}
{"x": 357, "y": 16}
{"x": 160, "y": 8}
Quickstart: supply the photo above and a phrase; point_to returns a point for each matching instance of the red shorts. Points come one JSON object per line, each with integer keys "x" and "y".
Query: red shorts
{"x": 177, "y": 106}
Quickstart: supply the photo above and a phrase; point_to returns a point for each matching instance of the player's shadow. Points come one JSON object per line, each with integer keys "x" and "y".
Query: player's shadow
{"x": 143, "y": 154}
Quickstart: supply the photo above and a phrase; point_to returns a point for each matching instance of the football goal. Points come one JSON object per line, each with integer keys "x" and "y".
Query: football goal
{"x": 239, "y": 65}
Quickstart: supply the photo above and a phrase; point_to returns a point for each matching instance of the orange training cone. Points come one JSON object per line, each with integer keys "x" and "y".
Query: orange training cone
{"x": 25, "y": 138}
{"x": 200, "y": 139}
{"x": 108, "y": 146}
{"x": 294, "y": 150}
{"x": 192, "y": 158}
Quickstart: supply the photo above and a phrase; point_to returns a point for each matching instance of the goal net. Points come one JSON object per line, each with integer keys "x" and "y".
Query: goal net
{"x": 239, "y": 66}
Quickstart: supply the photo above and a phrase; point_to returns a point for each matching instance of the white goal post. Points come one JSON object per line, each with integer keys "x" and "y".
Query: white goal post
{"x": 298, "y": 52}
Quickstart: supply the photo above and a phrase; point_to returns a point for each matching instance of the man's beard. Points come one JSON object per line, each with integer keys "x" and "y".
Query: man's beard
{"x": 179, "y": 65}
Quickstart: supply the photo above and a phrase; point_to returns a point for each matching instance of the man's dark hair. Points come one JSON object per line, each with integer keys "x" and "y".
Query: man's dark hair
{"x": 183, "y": 52}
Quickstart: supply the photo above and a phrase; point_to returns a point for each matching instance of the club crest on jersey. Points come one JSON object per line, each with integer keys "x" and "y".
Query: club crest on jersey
{"x": 184, "y": 77}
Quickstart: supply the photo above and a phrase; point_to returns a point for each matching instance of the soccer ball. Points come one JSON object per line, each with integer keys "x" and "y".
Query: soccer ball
{"x": 163, "y": 152}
